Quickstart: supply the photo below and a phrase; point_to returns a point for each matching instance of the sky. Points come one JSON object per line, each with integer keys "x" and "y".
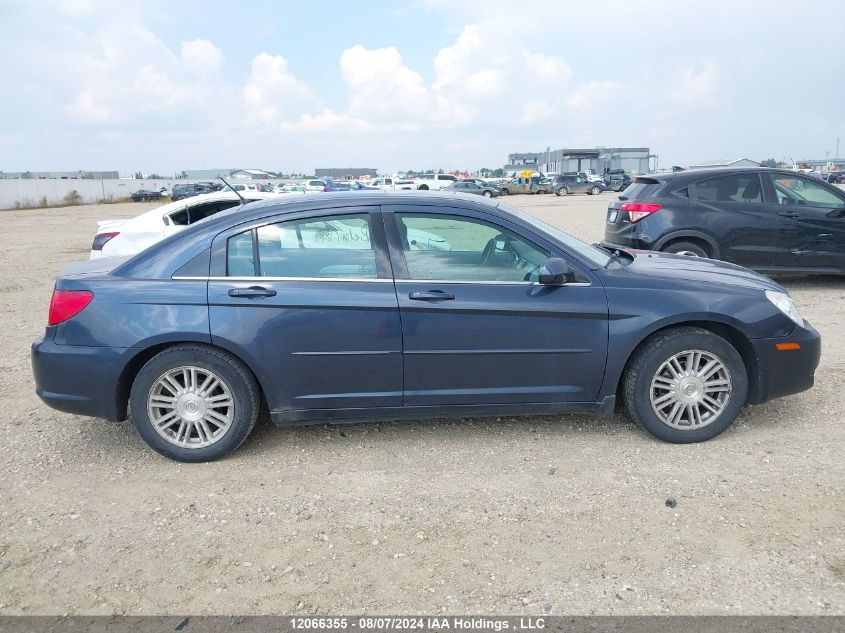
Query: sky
{"x": 166, "y": 85}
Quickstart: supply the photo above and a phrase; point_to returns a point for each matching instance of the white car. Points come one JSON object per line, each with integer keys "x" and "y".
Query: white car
{"x": 297, "y": 189}
{"x": 128, "y": 237}
{"x": 314, "y": 185}
{"x": 389, "y": 183}
{"x": 434, "y": 182}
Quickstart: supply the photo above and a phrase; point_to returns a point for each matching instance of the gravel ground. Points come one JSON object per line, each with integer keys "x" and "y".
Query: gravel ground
{"x": 561, "y": 515}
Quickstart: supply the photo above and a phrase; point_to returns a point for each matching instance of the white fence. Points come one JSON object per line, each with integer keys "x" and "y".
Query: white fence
{"x": 32, "y": 193}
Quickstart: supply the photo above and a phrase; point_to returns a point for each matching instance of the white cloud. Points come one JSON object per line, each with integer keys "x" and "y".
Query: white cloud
{"x": 201, "y": 56}
{"x": 536, "y": 112}
{"x": 86, "y": 109}
{"x": 272, "y": 94}
{"x": 74, "y": 7}
{"x": 547, "y": 67}
{"x": 589, "y": 94}
{"x": 382, "y": 87}
{"x": 697, "y": 87}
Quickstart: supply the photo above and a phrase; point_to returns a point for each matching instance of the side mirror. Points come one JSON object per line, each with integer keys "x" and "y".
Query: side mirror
{"x": 555, "y": 272}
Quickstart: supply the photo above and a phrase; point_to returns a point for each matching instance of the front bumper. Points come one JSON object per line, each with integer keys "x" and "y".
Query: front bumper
{"x": 785, "y": 372}
{"x": 79, "y": 380}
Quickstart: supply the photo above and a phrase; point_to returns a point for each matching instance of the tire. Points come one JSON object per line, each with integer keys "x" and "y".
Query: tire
{"x": 487, "y": 194}
{"x": 691, "y": 249}
{"x": 648, "y": 368}
{"x": 594, "y": 191}
{"x": 505, "y": 192}
{"x": 423, "y": 187}
{"x": 236, "y": 402}
{"x": 562, "y": 191}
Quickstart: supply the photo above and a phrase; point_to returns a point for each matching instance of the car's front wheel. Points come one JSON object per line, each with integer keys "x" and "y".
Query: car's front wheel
{"x": 194, "y": 403}
{"x": 594, "y": 191}
{"x": 562, "y": 191}
{"x": 685, "y": 385}
{"x": 487, "y": 194}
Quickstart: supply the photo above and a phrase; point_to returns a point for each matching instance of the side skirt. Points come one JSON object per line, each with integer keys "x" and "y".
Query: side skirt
{"x": 383, "y": 414}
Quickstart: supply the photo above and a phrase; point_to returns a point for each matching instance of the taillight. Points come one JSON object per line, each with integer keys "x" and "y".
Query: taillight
{"x": 67, "y": 303}
{"x": 101, "y": 238}
{"x": 639, "y": 210}
{"x": 325, "y": 188}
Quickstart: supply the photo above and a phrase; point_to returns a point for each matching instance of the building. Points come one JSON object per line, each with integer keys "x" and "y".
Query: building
{"x": 598, "y": 159}
{"x": 60, "y": 175}
{"x": 253, "y": 174}
{"x": 715, "y": 164}
{"x": 346, "y": 173}
{"x": 205, "y": 174}
{"x": 520, "y": 162}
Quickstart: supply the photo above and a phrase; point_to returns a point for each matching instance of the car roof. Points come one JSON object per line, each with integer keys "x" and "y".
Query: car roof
{"x": 163, "y": 258}
{"x": 716, "y": 171}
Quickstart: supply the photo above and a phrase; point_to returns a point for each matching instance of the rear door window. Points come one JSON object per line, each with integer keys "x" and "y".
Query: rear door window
{"x": 731, "y": 188}
{"x": 337, "y": 246}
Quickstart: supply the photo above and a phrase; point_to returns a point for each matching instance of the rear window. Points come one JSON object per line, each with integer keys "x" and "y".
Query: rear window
{"x": 641, "y": 188}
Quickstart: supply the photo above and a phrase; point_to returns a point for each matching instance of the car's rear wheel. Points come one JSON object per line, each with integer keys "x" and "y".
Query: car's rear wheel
{"x": 562, "y": 191}
{"x": 194, "y": 403}
{"x": 423, "y": 187}
{"x": 685, "y": 385}
{"x": 487, "y": 194}
{"x": 594, "y": 191}
{"x": 690, "y": 249}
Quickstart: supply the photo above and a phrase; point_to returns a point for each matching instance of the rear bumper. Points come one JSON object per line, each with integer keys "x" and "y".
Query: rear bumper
{"x": 785, "y": 372}
{"x": 79, "y": 380}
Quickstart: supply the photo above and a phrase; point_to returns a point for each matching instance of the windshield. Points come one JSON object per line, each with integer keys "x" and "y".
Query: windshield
{"x": 590, "y": 253}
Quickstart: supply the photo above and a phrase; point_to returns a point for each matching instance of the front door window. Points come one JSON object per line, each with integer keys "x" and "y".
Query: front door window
{"x": 452, "y": 248}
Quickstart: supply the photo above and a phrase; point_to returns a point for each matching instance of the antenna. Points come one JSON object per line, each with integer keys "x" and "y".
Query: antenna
{"x": 243, "y": 202}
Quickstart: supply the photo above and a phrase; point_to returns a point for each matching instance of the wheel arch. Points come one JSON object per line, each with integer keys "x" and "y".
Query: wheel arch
{"x": 692, "y": 235}
{"x": 730, "y": 333}
{"x": 133, "y": 366}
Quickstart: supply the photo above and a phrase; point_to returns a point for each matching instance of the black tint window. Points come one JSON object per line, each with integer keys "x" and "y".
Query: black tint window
{"x": 731, "y": 188}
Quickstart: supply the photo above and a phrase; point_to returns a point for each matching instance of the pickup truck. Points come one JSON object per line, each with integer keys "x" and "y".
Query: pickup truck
{"x": 534, "y": 184}
{"x": 435, "y": 182}
{"x": 389, "y": 183}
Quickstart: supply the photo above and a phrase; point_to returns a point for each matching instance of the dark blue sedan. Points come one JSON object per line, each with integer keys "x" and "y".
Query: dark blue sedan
{"x": 332, "y": 308}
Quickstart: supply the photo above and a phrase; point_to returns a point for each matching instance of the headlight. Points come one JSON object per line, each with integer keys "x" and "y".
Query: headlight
{"x": 784, "y": 303}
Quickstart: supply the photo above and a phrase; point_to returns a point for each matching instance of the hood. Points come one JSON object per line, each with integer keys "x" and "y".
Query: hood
{"x": 698, "y": 269}
{"x": 93, "y": 266}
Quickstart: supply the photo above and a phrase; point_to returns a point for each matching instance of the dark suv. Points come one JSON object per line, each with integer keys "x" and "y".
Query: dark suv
{"x": 575, "y": 183}
{"x": 767, "y": 219}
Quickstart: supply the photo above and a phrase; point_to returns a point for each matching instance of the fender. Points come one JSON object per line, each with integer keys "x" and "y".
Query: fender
{"x": 674, "y": 235}
{"x": 620, "y": 354}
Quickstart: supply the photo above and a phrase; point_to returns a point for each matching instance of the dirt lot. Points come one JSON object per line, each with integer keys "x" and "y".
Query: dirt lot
{"x": 500, "y": 515}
